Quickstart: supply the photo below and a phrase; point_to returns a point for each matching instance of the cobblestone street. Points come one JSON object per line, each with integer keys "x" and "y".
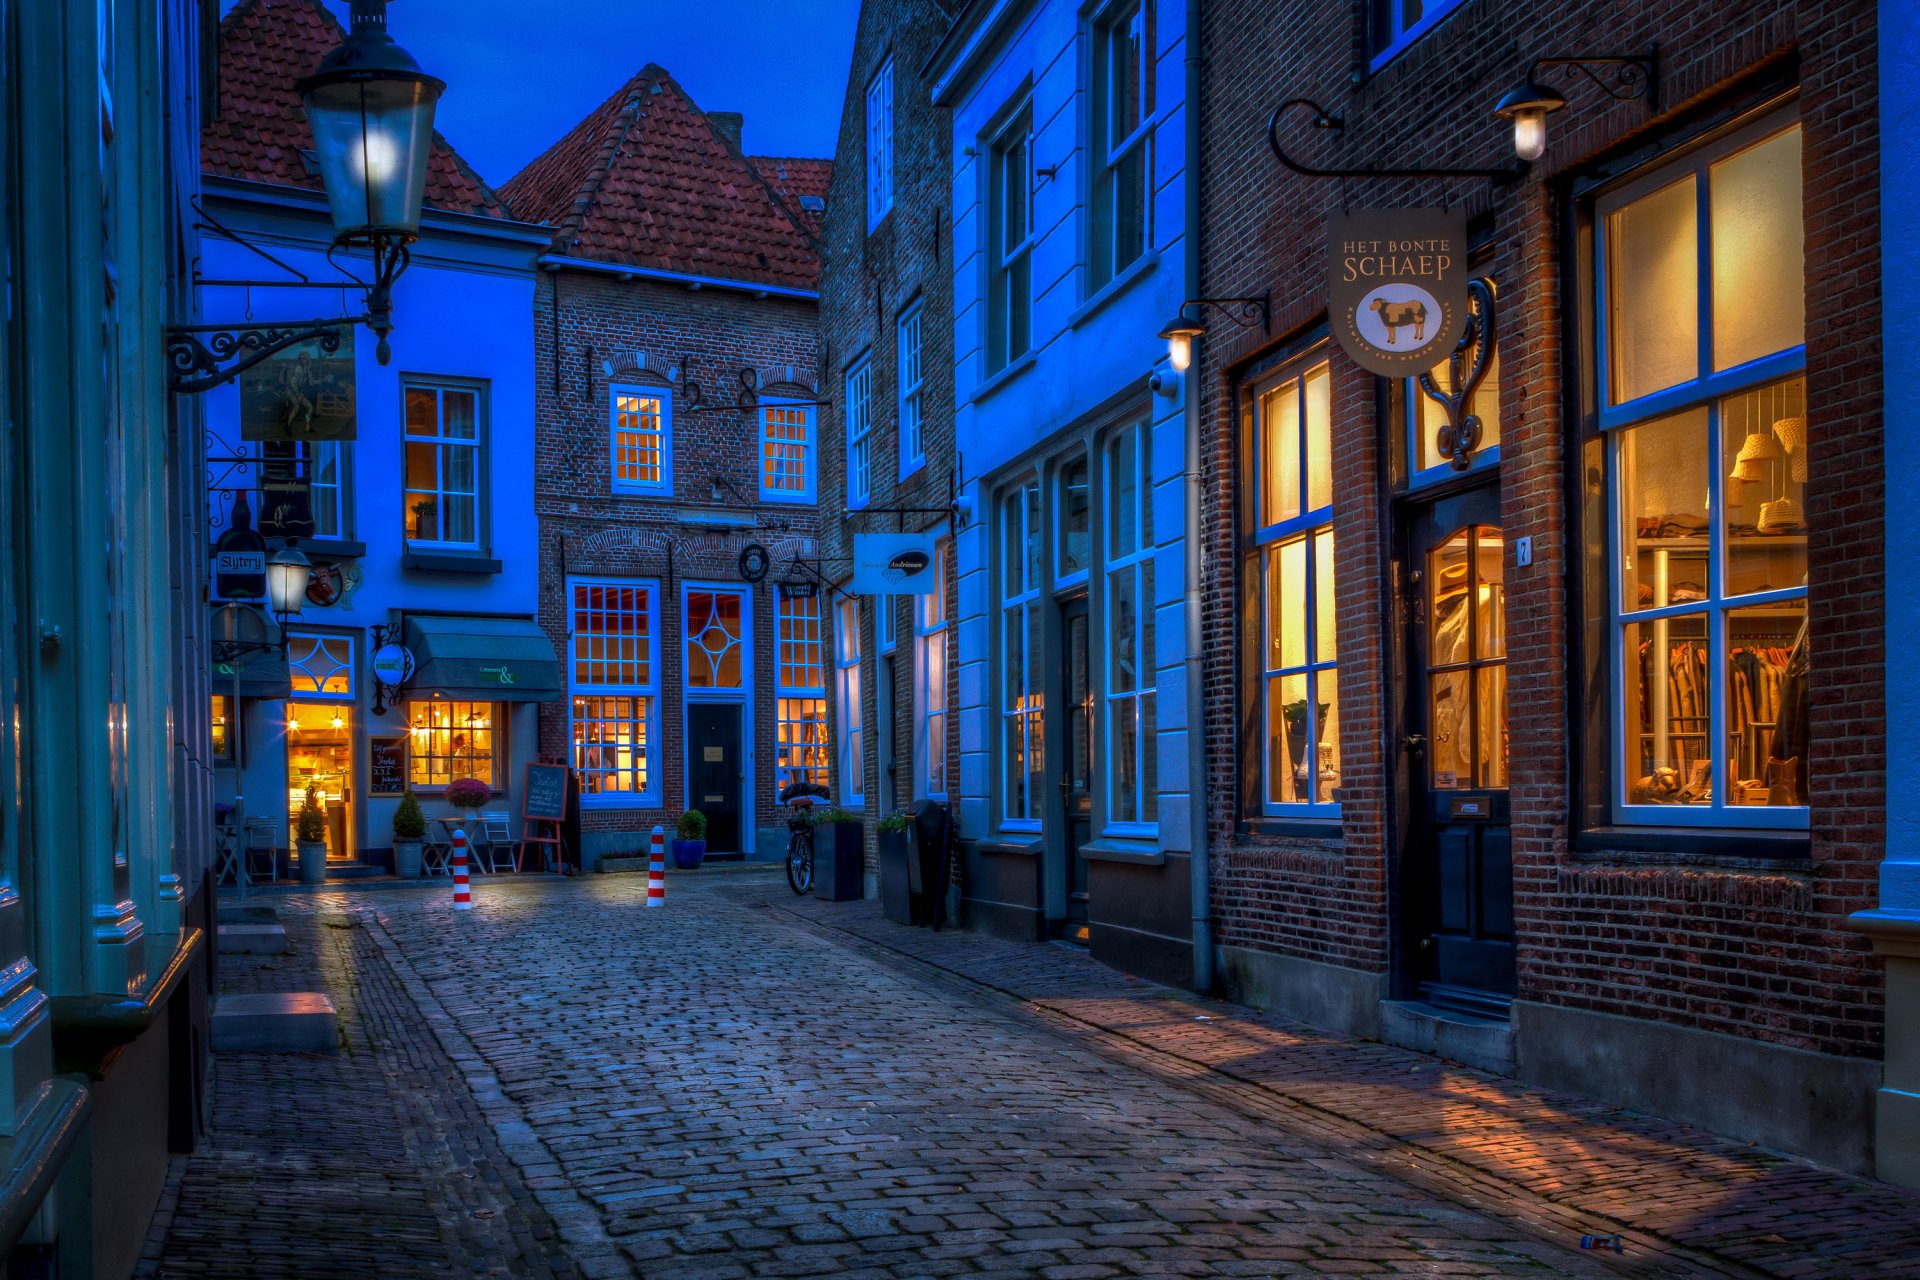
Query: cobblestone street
{"x": 747, "y": 1085}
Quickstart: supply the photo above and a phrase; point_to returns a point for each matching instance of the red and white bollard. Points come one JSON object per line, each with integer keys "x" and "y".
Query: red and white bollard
{"x": 657, "y": 870}
{"x": 462, "y": 896}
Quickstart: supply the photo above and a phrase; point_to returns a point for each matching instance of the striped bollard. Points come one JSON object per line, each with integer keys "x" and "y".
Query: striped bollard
{"x": 657, "y": 870}
{"x": 462, "y": 896}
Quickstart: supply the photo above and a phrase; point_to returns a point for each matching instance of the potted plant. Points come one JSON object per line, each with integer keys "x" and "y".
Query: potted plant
{"x": 690, "y": 843}
{"x": 469, "y": 796}
{"x": 839, "y": 855}
{"x": 310, "y": 835}
{"x": 409, "y": 829}
{"x": 896, "y": 851}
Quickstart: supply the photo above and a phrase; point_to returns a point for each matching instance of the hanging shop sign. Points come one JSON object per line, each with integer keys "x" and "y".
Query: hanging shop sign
{"x": 240, "y": 557}
{"x": 1397, "y": 286}
{"x": 754, "y": 562}
{"x": 393, "y": 664}
{"x": 301, "y": 393}
{"x": 325, "y": 584}
{"x": 893, "y": 564}
{"x": 799, "y": 590}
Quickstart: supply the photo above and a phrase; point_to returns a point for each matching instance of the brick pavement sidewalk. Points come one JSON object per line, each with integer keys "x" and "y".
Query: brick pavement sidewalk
{"x": 1658, "y": 1182}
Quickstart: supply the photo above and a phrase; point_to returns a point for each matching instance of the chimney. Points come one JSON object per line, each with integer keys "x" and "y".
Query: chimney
{"x": 729, "y": 124}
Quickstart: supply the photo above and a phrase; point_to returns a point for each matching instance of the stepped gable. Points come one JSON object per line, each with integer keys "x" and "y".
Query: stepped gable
{"x": 647, "y": 180}
{"x": 261, "y": 131}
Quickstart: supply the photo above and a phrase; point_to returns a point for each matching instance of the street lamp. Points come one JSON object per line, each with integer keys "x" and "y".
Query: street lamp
{"x": 371, "y": 110}
{"x": 1527, "y": 107}
{"x": 1180, "y": 333}
{"x": 288, "y": 572}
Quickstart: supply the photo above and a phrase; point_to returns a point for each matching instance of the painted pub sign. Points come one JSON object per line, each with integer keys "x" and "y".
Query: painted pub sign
{"x": 301, "y": 393}
{"x": 1397, "y": 286}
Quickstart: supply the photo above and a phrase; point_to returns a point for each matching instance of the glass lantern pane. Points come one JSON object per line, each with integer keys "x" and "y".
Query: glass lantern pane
{"x": 1759, "y": 255}
{"x": 1653, "y": 273}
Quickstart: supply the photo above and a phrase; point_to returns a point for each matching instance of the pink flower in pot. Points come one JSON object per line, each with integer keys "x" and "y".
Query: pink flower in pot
{"x": 468, "y": 795}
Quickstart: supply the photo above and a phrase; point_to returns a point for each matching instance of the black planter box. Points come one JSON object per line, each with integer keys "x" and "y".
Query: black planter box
{"x": 838, "y": 861}
{"x": 896, "y": 888}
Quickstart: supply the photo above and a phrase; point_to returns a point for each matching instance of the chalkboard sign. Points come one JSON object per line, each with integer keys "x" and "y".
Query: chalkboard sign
{"x": 544, "y": 795}
{"x": 389, "y": 766}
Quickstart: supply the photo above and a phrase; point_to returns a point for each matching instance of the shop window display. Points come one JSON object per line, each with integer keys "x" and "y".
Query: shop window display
{"x": 450, "y": 740}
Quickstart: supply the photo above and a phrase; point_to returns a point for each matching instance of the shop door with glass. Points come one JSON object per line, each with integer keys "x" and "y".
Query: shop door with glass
{"x": 716, "y": 770}
{"x": 320, "y": 756}
{"x": 1076, "y": 780}
{"x": 1457, "y": 890}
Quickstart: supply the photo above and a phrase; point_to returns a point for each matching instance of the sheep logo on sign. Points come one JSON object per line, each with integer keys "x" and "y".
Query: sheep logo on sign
{"x": 1397, "y": 287}
{"x": 1388, "y": 310}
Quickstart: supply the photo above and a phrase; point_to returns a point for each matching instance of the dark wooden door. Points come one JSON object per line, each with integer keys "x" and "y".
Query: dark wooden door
{"x": 1457, "y": 893}
{"x": 716, "y": 771}
{"x": 1076, "y": 782}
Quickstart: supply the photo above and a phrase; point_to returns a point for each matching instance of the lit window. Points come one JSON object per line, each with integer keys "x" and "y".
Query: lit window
{"x": 1709, "y": 431}
{"x": 716, "y": 644}
{"x": 880, "y": 145}
{"x": 1022, "y": 742}
{"x": 1131, "y": 747}
{"x": 786, "y": 452}
{"x": 442, "y": 465}
{"x": 320, "y": 666}
{"x": 614, "y": 681}
{"x": 1293, "y": 570}
{"x": 222, "y": 726}
{"x": 449, "y": 741}
{"x": 847, "y": 704}
{"x": 801, "y": 750}
{"x": 860, "y": 432}
{"x": 930, "y": 683}
{"x": 641, "y": 435}
{"x": 1123, "y": 131}
{"x": 1010, "y": 242}
{"x": 1425, "y": 418}
{"x": 912, "y": 392}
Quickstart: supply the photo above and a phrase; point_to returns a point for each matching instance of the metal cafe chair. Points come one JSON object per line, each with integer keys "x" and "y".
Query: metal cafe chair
{"x": 436, "y": 850}
{"x": 260, "y": 844}
{"x": 227, "y": 863}
{"x": 495, "y": 830}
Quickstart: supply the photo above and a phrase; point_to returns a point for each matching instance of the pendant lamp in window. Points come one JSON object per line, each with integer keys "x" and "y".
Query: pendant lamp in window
{"x": 1792, "y": 434}
{"x": 1758, "y": 450}
{"x": 1782, "y": 515}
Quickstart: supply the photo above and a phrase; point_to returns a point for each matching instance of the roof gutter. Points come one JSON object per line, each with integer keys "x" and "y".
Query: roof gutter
{"x": 555, "y": 261}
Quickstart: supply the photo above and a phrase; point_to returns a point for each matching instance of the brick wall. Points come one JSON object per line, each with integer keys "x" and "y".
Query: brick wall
{"x": 585, "y": 528}
{"x": 868, "y": 278}
{"x": 1749, "y": 945}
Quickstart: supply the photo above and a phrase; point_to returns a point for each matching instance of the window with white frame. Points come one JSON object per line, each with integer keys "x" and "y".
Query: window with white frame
{"x": 880, "y": 144}
{"x": 1292, "y": 544}
{"x": 860, "y": 432}
{"x": 1022, "y": 742}
{"x": 930, "y": 682}
{"x": 613, "y": 678}
{"x": 442, "y": 465}
{"x": 786, "y": 451}
{"x": 1122, "y": 136}
{"x": 1127, "y": 561}
{"x": 1395, "y": 24}
{"x": 852, "y": 716}
{"x": 1010, "y": 241}
{"x": 1705, "y": 410}
{"x": 640, "y": 437}
{"x": 912, "y": 391}
{"x": 801, "y": 753}
{"x": 320, "y": 666}
{"x": 1073, "y": 508}
{"x": 328, "y": 462}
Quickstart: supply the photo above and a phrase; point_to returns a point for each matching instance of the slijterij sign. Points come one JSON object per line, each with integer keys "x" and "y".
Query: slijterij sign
{"x": 1397, "y": 286}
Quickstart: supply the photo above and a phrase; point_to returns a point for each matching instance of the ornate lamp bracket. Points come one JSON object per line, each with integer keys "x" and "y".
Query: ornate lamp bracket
{"x": 1324, "y": 119}
{"x": 201, "y": 357}
{"x": 1460, "y": 434}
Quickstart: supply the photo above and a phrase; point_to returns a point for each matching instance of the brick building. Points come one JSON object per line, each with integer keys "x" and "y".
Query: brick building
{"x": 1567, "y": 763}
{"x": 887, "y": 452}
{"x": 677, "y": 359}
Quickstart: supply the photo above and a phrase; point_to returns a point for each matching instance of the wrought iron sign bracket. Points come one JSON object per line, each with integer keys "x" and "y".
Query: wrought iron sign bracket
{"x": 1324, "y": 119}
{"x": 1460, "y": 434}
{"x": 201, "y": 357}
{"x": 1635, "y": 75}
{"x": 1242, "y": 311}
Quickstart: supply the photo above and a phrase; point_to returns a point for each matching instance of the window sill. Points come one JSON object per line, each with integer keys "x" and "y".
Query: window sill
{"x": 1757, "y": 850}
{"x": 919, "y": 465}
{"x": 449, "y": 562}
{"x": 1112, "y": 289}
{"x": 660, "y": 491}
{"x": 1010, "y": 845}
{"x": 333, "y": 548}
{"x": 786, "y": 498}
{"x": 996, "y": 381}
{"x": 622, "y": 802}
{"x": 1140, "y": 853}
{"x": 1300, "y": 828}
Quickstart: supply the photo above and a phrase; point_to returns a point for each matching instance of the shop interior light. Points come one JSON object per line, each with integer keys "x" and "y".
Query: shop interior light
{"x": 1527, "y": 107}
{"x": 338, "y": 722}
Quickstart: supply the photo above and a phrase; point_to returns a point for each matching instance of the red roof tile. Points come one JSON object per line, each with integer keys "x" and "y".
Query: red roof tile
{"x": 799, "y": 180}
{"x": 267, "y": 45}
{"x": 646, "y": 180}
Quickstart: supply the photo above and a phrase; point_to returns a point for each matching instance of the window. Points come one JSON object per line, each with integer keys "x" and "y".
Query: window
{"x": 1707, "y": 423}
{"x": 614, "y": 681}
{"x": 1396, "y": 24}
{"x": 641, "y": 437}
{"x": 860, "y": 432}
{"x": 1010, "y": 242}
{"x": 223, "y": 724}
{"x": 1293, "y": 555}
{"x": 450, "y": 740}
{"x": 930, "y": 682}
{"x": 328, "y": 462}
{"x": 853, "y": 738}
{"x": 443, "y": 466}
{"x": 320, "y": 666}
{"x": 1074, "y": 503}
{"x": 801, "y": 728}
{"x": 1022, "y": 743}
{"x": 880, "y": 145}
{"x": 912, "y": 382}
{"x": 1131, "y": 747}
{"x": 1122, "y": 132}
{"x": 786, "y": 452}
{"x": 716, "y": 639}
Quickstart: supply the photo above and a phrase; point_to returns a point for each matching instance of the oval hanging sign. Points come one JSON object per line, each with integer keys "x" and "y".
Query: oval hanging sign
{"x": 1397, "y": 286}
{"x": 392, "y": 664}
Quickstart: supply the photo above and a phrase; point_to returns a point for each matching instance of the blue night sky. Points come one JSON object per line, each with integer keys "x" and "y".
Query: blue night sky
{"x": 520, "y": 73}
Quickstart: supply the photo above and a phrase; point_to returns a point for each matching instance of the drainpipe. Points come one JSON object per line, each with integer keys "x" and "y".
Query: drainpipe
{"x": 1196, "y": 727}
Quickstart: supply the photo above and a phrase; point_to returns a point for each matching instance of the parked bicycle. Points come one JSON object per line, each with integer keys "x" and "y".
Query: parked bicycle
{"x": 800, "y": 797}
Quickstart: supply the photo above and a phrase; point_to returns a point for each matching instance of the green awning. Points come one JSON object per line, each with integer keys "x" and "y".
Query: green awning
{"x": 482, "y": 659}
{"x": 262, "y": 675}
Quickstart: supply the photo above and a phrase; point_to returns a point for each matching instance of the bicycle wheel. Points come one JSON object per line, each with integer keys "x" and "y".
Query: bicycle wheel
{"x": 800, "y": 861}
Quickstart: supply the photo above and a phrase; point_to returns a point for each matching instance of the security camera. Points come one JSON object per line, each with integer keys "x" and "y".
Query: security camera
{"x": 1164, "y": 382}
